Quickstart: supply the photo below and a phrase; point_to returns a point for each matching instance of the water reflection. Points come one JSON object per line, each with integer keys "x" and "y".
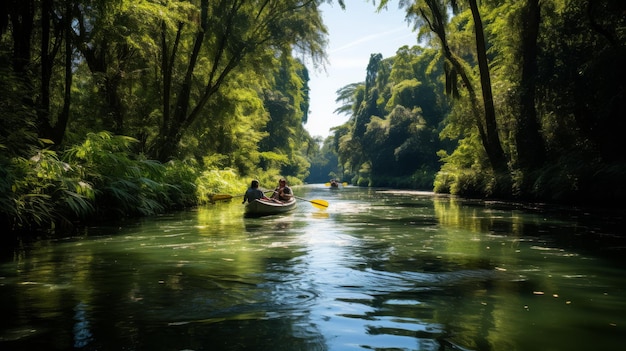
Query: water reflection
{"x": 376, "y": 270}
{"x": 82, "y": 334}
{"x": 258, "y": 225}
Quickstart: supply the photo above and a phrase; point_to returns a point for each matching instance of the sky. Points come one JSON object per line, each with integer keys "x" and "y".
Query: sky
{"x": 354, "y": 34}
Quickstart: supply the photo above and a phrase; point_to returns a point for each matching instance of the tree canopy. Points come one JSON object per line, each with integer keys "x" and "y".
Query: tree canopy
{"x": 515, "y": 89}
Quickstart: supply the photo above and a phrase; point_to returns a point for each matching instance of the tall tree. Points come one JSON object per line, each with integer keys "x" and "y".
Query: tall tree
{"x": 492, "y": 143}
{"x": 20, "y": 14}
{"x": 56, "y": 33}
{"x": 100, "y": 41}
{"x": 368, "y": 107}
{"x": 434, "y": 14}
{"x": 229, "y": 35}
{"x": 530, "y": 148}
{"x": 40, "y": 34}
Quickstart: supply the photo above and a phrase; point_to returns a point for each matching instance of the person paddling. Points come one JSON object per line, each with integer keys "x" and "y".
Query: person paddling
{"x": 254, "y": 193}
{"x": 283, "y": 191}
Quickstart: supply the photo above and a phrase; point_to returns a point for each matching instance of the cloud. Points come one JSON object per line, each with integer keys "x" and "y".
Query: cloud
{"x": 367, "y": 38}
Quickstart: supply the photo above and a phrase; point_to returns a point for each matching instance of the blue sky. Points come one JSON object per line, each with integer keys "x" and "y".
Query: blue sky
{"x": 354, "y": 34}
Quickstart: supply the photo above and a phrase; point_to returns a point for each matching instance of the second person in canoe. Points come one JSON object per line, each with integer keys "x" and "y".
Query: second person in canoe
{"x": 282, "y": 192}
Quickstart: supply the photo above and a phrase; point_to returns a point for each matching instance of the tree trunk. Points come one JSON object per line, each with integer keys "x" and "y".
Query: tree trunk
{"x": 64, "y": 116}
{"x": 181, "y": 118}
{"x": 167, "y": 67}
{"x": 43, "y": 112}
{"x": 98, "y": 55}
{"x": 493, "y": 146}
{"x": 22, "y": 14}
{"x": 530, "y": 144}
{"x": 486, "y": 125}
{"x": 173, "y": 126}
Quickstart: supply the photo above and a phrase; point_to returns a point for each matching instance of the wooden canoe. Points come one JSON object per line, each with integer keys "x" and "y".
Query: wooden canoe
{"x": 264, "y": 208}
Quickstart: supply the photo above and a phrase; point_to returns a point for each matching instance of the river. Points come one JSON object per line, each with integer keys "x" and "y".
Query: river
{"x": 378, "y": 270}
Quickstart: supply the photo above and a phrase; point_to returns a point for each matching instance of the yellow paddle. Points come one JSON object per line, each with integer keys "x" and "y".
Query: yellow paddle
{"x": 221, "y": 197}
{"x": 322, "y": 204}
{"x": 316, "y": 202}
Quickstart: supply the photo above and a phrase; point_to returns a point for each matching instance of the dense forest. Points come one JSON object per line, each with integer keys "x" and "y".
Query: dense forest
{"x": 505, "y": 99}
{"x": 114, "y": 108}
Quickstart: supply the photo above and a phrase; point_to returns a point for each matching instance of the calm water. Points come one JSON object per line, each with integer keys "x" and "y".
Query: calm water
{"x": 377, "y": 270}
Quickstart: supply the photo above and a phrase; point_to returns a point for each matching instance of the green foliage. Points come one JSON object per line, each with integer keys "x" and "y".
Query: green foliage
{"x": 18, "y": 133}
{"x": 362, "y": 181}
{"x": 180, "y": 177}
{"x": 125, "y": 185}
{"x": 324, "y": 163}
{"x": 404, "y": 93}
{"x": 389, "y": 135}
{"x": 297, "y": 168}
{"x": 443, "y": 182}
{"x": 461, "y": 171}
{"x": 284, "y": 133}
{"x": 211, "y": 182}
{"x": 199, "y": 85}
{"x": 101, "y": 179}
{"x": 231, "y": 137}
{"x": 350, "y": 97}
{"x": 42, "y": 192}
{"x": 556, "y": 95}
{"x": 581, "y": 180}
{"x": 421, "y": 179}
{"x": 207, "y": 85}
{"x": 470, "y": 184}
{"x": 236, "y": 38}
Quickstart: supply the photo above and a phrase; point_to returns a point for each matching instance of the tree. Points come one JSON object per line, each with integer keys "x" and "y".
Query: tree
{"x": 107, "y": 35}
{"x": 324, "y": 162}
{"x": 388, "y": 139}
{"x": 228, "y": 36}
{"x": 63, "y": 34}
{"x": 433, "y": 13}
{"x": 368, "y": 107}
{"x": 40, "y": 32}
{"x": 530, "y": 148}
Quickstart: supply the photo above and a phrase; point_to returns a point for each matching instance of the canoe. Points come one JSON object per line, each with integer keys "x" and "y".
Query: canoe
{"x": 264, "y": 208}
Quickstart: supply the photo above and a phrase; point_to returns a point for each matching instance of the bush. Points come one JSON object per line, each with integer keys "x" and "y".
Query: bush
{"x": 443, "y": 182}
{"x": 180, "y": 177}
{"x": 42, "y": 192}
{"x": 124, "y": 184}
{"x": 212, "y": 182}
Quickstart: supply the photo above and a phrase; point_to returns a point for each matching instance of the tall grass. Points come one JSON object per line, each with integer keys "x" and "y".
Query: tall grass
{"x": 42, "y": 192}
{"x": 103, "y": 178}
{"x": 125, "y": 184}
{"x": 211, "y": 182}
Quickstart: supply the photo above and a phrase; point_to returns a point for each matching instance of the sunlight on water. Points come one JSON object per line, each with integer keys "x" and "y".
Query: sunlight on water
{"x": 384, "y": 270}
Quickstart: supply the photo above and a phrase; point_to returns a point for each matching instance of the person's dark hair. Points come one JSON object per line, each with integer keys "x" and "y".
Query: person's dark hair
{"x": 255, "y": 183}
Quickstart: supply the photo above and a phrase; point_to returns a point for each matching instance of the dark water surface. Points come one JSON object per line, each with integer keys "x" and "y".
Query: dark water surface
{"x": 377, "y": 270}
